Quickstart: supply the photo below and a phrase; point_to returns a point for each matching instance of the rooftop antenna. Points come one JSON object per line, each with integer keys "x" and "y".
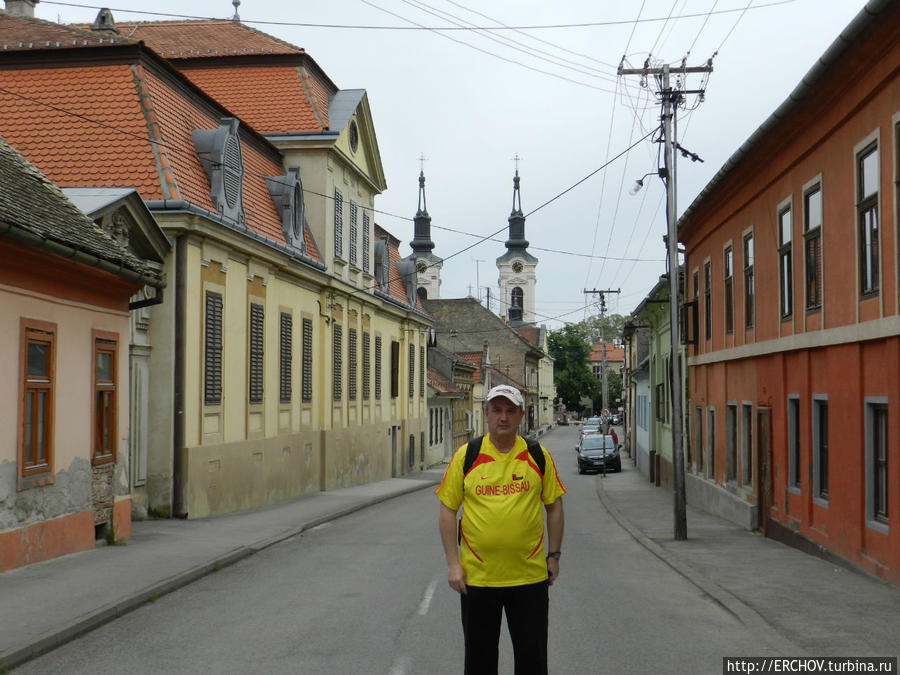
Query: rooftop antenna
{"x": 236, "y": 18}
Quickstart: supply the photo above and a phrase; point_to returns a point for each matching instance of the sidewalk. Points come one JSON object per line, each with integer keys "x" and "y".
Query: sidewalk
{"x": 801, "y": 605}
{"x": 49, "y": 603}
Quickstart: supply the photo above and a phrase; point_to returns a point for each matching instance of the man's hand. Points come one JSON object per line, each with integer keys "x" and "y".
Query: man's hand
{"x": 552, "y": 570}
{"x": 456, "y": 577}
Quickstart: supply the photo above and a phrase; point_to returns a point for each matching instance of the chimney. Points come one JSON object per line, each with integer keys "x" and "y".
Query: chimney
{"x": 21, "y": 7}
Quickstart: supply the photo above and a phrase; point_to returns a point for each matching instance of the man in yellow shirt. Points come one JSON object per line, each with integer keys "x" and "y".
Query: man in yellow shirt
{"x": 496, "y": 557}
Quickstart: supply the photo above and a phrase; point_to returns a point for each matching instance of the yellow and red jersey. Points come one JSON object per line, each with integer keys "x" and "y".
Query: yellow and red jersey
{"x": 502, "y": 526}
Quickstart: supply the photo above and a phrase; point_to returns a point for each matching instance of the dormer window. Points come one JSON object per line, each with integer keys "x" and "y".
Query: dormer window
{"x": 287, "y": 195}
{"x": 381, "y": 263}
{"x": 220, "y": 154}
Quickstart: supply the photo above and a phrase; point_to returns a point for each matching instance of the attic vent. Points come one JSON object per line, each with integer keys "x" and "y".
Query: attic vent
{"x": 105, "y": 22}
{"x": 220, "y": 154}
{"x": 287, "y": 195}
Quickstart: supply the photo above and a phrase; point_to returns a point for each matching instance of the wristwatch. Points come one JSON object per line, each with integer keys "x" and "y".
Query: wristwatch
{"x": 555, "y": 554}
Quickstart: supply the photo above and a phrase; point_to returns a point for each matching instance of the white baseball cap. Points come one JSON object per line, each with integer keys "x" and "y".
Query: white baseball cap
{"x": 508, "y": 392}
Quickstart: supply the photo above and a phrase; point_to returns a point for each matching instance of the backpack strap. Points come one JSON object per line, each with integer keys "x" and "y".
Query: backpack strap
{"x": 537, "y": 455}
{"x": 472, "y": 450}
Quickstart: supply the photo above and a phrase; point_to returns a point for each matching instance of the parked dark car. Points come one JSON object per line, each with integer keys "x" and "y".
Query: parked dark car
{"x": 598, "y": 452}
{"x": 615, "y": 419}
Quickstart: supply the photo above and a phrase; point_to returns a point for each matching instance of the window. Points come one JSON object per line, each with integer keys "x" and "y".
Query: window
{"x": 867, "y": 218}
{"x": 353, "y": 232}
{"x": 366, "y": 242}
{"x": 793, "y": 429}
{"x": 284, "y": 368}
{"x": 731, "y": 442}
{"x": 661, "y": 402}
{"x": 422, "y": 372}
{"x": 747, "y": 444}
{"x": 749, "y": 288}
{"x": 395, "y": 369}
{"x": 338, "y": 224}
{"x": 820, "y": 446}
{"x": 711, "y": 443}
{"x": 728, "y": 265}
{"x": 212, "y": 352}
{"x": 336, "y": 363}
{"x": 351, "y": 364}
{"x": 707, "y": 299}
{"x": 698, "y": 438}
{"x": 377, "y": 367}
{"x": 812, "y": 234}
{"x": 306, "y": 375}
{"x": 785, "y": 262}
{"x": 516, "y": 302}
{"x": 37, "y": 377}
{"x": 256, "y": 353}
{"x": 105, "y": 409}
{"x": 367, "y": 366}
{"x": 877, "y": 461}
{"x": 412, "y": 368}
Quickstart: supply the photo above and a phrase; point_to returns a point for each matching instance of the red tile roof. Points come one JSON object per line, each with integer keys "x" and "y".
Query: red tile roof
{"x": 475, "y": 359}
{"x": 613, "y": 353}
{"x": 41, "y": 35}
{"x": 89, "y": 125}
{"x": 204, "y": 39}
{"x": 442, "y": 385}
{"x": 278, "y": 102}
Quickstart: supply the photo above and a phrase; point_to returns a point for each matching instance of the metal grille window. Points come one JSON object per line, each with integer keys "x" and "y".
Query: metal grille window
{"x": 38, "y": 359}
{"x": 377, "y": 367}
{"x": 307, "y": 364}
{"x": 749, "y": 282}
{"x": 820, "y": 447}
{"x": 337, "y": 365}
{"x": 212, "y": 352}
{"x": 412, "y": 369}
{"x": 105, "y": 409}
{"x": 422, "y": 372}
{"x": 728, "y": 264}
{"x": 287, "y": 329}
{"x": 353, "y": 232}
{"x": 256, "y": 353}
{"x": 366, "y": 365}
{"x": 785, "y": 256}
{"x": 366, "y": 242}
{"x": 707, "y": 300}
{"x": 793, "y": 420}
{"x": 812, "y": 234}
{"x": 338, "y": 224}
{"x": 879, "y": 452}
{"x": 351, "y": 364}
{"x": 867, "y": 219}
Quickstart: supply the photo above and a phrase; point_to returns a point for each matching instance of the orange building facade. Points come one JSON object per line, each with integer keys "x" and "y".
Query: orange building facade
{"x": 792, "y": 265}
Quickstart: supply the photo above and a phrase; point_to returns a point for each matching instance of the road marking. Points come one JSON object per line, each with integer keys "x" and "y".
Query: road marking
{"x": 426, "y": 597}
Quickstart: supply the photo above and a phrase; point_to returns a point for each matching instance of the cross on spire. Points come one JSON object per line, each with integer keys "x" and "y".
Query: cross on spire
{"x": 422, "y": 160}
{"x": 517, "y": 159}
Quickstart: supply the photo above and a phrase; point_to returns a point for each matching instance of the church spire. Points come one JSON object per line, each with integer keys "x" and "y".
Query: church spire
{"x": 421, "y": 243}
{"x": 516, "y": 239}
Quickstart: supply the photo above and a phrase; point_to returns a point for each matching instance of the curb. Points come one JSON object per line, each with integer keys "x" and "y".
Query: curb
{"x": 98, "y": 617}
{"x": 743, "y": 612}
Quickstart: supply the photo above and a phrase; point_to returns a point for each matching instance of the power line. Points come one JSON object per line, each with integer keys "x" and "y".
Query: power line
{"x": 585, "y": 24}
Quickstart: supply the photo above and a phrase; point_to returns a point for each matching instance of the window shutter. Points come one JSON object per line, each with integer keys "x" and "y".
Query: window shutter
{"x": 338, "y": 224}
{"x": 213, "y": 349}
{"x": 337, "y": 366}
{"x": 412, "y": 368}
{"x": 306, "y": 384}
{"x": 366, "y": 242}
{"x": 287, "y": 329}
{"x": 256, "y": 353}
{"x": 351, "y": 364}
{"x": 377, "y": 367}
{"x": 366, "y": 380}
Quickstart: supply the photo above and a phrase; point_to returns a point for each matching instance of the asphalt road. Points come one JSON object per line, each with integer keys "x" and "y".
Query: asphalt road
{"x": 367, "y": 594}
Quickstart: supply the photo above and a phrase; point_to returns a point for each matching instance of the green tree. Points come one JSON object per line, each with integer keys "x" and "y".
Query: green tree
{"x": 608, "y": 327}
{"x": 570, "y": 347}
{"x": 613, "y": 388}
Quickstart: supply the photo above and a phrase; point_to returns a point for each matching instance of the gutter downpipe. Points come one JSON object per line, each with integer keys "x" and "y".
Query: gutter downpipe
{"x": 178, "y": 508}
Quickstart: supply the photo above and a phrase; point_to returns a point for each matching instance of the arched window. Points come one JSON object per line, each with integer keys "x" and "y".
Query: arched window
{"x": 515, "y": 304}
{"x": 422, "y": 292}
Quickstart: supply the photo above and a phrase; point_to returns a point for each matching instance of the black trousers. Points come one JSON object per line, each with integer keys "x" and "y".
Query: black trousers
{"x": 526, "y": 610}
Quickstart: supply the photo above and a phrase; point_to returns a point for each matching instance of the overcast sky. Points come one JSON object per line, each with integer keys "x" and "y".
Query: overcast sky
{"x": 471, "y": 101}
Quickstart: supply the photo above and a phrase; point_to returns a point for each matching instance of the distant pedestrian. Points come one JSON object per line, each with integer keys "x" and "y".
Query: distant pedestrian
{"x": 495, "y": 558}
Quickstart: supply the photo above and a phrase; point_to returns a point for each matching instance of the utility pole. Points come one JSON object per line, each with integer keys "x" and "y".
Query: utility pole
{"x": 605, "y": 387}
{"x": 670, "y": 98}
